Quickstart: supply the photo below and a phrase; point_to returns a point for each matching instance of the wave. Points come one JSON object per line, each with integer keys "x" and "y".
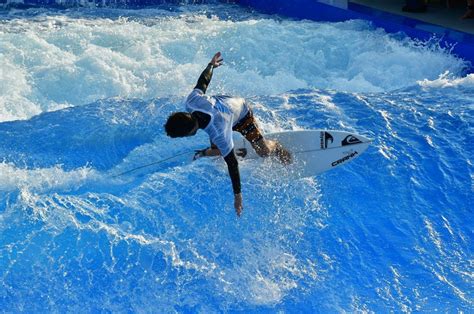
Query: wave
{"x": 55, "y": 60}
{"x": 172, "y": 228}
{"x": 446, "y": 80}
{"x": 89, "y": 102}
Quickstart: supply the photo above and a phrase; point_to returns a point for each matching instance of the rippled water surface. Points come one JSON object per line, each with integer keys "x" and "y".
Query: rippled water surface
{"x": 84, "y": 95}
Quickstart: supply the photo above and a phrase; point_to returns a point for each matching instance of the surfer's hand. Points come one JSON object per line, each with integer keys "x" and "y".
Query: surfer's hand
{"x": 241, "y": 152}
{"x": 199, "y": 153}
{"x": 217, "y": 60}
{"x": 238, "y": 204}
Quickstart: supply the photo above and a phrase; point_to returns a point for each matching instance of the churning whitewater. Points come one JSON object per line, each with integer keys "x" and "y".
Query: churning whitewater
{"x": 84, "y": 95}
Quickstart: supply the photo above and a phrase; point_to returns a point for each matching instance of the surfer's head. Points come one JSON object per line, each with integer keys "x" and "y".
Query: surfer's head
{"x": 181, "y": 124}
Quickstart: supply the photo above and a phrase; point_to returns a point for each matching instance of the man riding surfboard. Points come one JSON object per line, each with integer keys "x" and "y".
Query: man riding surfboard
{"x": 219, "y": 116}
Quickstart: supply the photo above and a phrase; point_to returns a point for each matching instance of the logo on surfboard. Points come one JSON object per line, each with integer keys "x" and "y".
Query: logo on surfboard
{"x": 344, "y": 159}
{"x": 350, "y": 140}
{"x": 325, "y": 137}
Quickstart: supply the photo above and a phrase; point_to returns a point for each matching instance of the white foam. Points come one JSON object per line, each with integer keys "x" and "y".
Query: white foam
{"x": 56, "y": 60}
{"x": 14, "y": 90}
{"x": 447, "y": 80}
{"x": 43, "y": 179}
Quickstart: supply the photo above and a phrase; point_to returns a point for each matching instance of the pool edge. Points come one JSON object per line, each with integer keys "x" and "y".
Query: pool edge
{"x": 460, "y": 43}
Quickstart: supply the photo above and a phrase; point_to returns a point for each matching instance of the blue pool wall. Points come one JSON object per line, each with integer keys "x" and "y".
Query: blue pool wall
{"x": 460, "y": 43}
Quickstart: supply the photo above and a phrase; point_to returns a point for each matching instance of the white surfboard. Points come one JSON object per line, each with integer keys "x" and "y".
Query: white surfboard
{"x": 313, "y": 151}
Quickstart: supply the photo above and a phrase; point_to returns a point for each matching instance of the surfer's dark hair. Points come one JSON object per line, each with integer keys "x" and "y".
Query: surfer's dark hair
{"x": 179, "y": 124}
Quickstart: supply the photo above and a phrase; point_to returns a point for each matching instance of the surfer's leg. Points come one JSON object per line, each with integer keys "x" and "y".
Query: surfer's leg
{"x": 265, "y": 148}
{"x": 248, "y": 127}
{"x": 283, "y": 154}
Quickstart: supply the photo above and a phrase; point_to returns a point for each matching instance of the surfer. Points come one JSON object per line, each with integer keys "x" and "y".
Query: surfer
{"x": 218, "y": 116}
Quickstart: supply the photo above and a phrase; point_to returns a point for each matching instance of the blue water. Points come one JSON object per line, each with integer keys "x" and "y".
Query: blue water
{"x": 84, "y": 95}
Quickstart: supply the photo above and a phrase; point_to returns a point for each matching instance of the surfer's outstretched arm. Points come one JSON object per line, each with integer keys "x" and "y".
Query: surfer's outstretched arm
{"x": 205, "y": 78}
{"x": 206, "y": 75}
{"x": 233, "y": 166}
